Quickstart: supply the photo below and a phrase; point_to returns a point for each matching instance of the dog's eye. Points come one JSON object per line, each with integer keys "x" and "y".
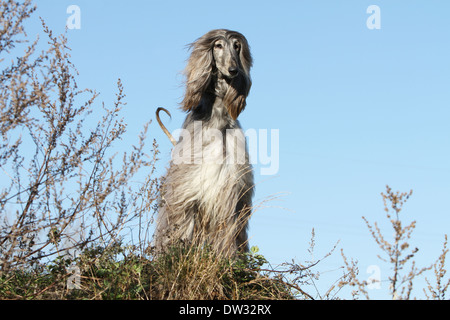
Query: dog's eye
{"x": 218, "y": 46}
{"x": 236, "y": 46}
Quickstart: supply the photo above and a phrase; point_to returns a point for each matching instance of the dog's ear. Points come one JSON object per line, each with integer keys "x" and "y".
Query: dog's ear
{"x": 198, "y": 74}
{"x": 245, "y": 56}
{"x": 236, "y": 96}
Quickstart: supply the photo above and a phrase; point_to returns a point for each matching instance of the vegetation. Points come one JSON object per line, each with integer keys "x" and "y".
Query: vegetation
{"x": 67, "y": 201}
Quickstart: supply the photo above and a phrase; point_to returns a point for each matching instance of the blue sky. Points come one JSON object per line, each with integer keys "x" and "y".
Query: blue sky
{"x": 356, "y": 109}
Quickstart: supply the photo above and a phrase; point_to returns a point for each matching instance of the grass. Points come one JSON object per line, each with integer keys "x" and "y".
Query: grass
{"x": 118, "y": 272}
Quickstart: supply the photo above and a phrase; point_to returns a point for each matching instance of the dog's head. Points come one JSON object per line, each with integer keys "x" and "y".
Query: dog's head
{"x": 219, "y": 54}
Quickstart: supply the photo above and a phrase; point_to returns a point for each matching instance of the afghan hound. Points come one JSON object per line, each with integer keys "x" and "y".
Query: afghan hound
{"x": 206, "y": 196}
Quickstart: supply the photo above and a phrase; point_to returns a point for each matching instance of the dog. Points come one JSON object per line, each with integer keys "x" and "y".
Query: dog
{"x": 206, "y": 195}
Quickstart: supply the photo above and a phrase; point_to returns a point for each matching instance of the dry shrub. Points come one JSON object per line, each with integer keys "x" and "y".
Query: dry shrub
{"x": 439, "y": 290}
{"x": 62, "y": 185}
{"x": 398, "y": 254}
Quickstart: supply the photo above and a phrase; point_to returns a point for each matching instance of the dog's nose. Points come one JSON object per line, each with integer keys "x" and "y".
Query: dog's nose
{"x": 233, "y": 71}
